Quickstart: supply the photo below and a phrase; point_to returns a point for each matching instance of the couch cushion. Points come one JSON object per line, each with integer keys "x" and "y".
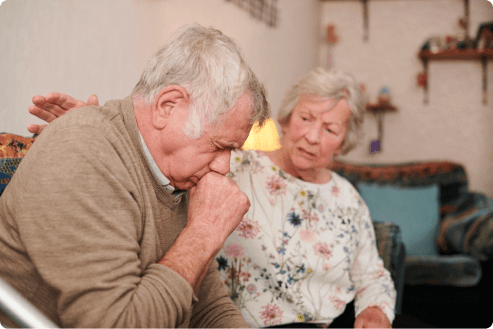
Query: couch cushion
{"x": 12, "y": 149}
{"x": 453, "y": 270}
{"x": 414, "y": 209}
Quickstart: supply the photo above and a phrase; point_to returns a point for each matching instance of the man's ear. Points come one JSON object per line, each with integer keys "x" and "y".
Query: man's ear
{"x": 170, "y": 98}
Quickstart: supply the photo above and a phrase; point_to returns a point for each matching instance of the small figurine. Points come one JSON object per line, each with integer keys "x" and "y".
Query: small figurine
{"x": 384, "y": 95}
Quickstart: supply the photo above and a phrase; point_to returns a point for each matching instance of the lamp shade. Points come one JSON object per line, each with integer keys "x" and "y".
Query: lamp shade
{"x": 263, "y": 139}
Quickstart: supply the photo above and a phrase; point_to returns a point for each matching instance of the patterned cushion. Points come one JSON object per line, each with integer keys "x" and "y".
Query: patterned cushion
{"x": 450, "y": 177}
{"x": 393, "y": 253}
{"x": 12, "y": 149}
{"x": 469, "y": 229}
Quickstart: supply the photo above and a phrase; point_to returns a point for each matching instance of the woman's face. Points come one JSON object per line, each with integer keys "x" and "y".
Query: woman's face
{"x": 315, "y": 132}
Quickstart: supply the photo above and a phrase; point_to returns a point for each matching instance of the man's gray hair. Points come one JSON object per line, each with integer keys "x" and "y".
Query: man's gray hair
{"x": 212, "y": 69}
{"x": 334, "y": 84}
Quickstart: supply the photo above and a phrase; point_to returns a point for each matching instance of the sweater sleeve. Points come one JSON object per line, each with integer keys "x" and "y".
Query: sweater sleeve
{"x": 79, "y": 217}
{"x": 214, "y": 308}
{"x": 373, "y": 283}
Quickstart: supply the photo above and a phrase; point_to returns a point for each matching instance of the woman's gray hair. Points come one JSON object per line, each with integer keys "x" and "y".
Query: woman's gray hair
{"x": 334, "y": 84}
{"x": 212, "y": 69}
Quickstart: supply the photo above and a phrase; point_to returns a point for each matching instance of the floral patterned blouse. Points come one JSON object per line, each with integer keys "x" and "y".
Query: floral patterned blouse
{"x": 303, "y": 250}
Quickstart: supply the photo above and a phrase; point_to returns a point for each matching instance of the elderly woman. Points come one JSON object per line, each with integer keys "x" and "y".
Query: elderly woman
{"x": 306, "y": 247}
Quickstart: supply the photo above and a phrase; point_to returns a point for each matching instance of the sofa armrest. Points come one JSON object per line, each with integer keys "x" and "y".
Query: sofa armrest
{"x": 393, "y": 253}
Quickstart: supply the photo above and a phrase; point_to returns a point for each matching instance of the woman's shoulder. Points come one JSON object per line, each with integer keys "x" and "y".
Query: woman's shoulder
{"x": 347, "y": 192}
{"x": 247, "y": 161}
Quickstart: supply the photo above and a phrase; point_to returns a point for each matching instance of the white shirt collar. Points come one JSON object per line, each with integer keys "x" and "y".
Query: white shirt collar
{"x": 163, "y": 180}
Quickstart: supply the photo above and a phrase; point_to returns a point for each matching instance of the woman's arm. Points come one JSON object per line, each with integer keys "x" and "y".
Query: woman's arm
{"x": 54, "y": 105}
{"x": 375, "y": 297}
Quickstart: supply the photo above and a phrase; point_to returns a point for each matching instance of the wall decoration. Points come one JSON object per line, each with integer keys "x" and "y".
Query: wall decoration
{"x": 379, "y": 109}
{"x": 331, "y": 39}
{"x": 458, "y": 47}
{"x": 422, "y": 80}
{"x": 263, "y": 10}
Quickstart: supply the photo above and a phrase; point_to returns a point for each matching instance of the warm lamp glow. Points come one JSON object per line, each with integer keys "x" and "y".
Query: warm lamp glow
{"x": 263, "y": 139}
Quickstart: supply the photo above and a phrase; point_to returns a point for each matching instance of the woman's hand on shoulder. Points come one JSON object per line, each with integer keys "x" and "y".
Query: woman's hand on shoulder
{"x": 53, "y": 106}
{"x": 372, "y": 317}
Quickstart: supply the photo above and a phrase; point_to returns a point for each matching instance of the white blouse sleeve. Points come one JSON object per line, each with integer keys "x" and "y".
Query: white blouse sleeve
{"x": 373, "y": 283}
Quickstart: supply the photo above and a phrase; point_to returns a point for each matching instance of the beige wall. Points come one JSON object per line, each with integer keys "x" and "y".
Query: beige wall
{"x": 455, "y": 125}
{"x": 101, "y": 46}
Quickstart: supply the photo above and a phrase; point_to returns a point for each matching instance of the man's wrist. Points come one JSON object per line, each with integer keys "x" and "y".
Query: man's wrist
{"x": 190, "y": 256}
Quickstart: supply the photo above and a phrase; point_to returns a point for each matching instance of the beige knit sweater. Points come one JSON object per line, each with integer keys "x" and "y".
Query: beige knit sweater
{"x": 84, "y": 222}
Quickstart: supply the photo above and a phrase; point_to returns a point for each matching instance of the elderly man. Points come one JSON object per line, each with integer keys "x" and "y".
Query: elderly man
{"x": 97, "y": 228}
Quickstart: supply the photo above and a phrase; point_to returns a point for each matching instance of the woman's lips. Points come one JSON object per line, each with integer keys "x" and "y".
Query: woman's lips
{"x": 306, "y": 153}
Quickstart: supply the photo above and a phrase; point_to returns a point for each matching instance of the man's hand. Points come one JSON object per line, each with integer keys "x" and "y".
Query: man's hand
{"x": 55, "y": 105}
{"x": 215, "y": 209}
{"x": 372, "y": 317}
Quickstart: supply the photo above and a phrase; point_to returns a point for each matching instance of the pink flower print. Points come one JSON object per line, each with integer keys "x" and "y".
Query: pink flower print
{"x": 271, "y": 314}
{"x": 378, "y": 274}
{"x": 326, "y": 266}
{"x": 272, "y": 201}
{"x": 335, "y": 191}
{"x": 244, "y": 276}
{"x": 251, "y": 288}
{"x": 307, "y": 236}
{"x": 322, "y": 250}
{"x": 235, "y": 250}
{"x": 321, "y": 207}
{"x": 360, "y": 291}
{"x": 248, "y": 228}
{"x": 338, "y": 304}
{"x": 276, "y": 185}
{"x": 312, "y": 217}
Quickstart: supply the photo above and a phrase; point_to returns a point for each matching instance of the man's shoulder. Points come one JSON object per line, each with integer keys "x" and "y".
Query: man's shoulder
{"x": 89, "y": 118}
{"x": 93, "y": 114}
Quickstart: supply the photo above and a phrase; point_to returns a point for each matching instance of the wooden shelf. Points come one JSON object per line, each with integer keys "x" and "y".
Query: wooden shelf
{"x": 482, "y": 55}
{"x": 457, "y": 54}
{"x": 380, "y": 107}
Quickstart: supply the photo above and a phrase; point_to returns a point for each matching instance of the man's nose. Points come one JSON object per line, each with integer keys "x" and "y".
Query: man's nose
{"x": 220, "y": 164}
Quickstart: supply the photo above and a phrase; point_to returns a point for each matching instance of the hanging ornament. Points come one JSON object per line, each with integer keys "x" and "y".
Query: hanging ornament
{"x": 331, "y": 39}
{"x": 422, "y": 80}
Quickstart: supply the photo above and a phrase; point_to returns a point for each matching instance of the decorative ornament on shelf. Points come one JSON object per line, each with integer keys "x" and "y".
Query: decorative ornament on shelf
{"x": 422, "y": 80}
{"x": 263, "y": 10}
{"x": 379, "y": 109}
{"x": 263, "y": 139}
{"x": 331, "y": 34}
{"x": 331, "y": 39}
{"x": 484, "y": 36}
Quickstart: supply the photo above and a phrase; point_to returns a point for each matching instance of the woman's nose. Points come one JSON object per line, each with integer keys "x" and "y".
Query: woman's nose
{"x": 313, "y": 134}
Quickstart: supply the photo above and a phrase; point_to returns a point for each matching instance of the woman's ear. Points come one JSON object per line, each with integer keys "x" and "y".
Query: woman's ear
{"x": 284, "y": 123}
{"x": 339, "y": 148}
{"x": 169, "y": 99}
